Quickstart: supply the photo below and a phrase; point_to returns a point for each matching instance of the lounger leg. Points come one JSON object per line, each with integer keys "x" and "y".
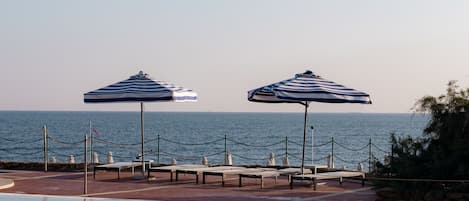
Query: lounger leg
{"x": 340, "y": 180}
{"x": 262, "y": 182}
{"x": 275, "y": 179}
{"x": 94, "y": 173}
{"x": 118, "y": 174}
{"x": 177, "y": 176}
{"x": 363, "y": 181}
{"x": 171, "y": 177}
{"x": 133, "y": 170}
{"x": 314, "y": 184}
{"x": 223, "y": 180}
{"x": 197, "y": 178}
{"x": 203, "y": 178}
{"x": 291, "y": 181}
{"x": 240, "y": 181}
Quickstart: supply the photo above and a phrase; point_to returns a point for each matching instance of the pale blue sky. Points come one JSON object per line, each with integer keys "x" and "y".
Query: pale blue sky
{"x": 52, "y": 52}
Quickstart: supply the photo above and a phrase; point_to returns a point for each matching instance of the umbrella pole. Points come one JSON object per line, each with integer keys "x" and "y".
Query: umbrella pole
{"x": 304, "y": 138}
{"x": 143, "y": 137}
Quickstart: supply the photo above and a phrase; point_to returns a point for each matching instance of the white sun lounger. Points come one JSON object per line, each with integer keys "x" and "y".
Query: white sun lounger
{"x": 117, "y": 166}
{"x": 259, "y": 175}
{"x": 294, "y": 171}
{"x": 224, "y": 173}
{"x": 315, "y": 168}
{"x": 275, "y": 173}
{"x": 289, "y": 171}
{"x": 173, "y": 168}
{"x": 327, "y": 175}
{"x": 198, "y": 171}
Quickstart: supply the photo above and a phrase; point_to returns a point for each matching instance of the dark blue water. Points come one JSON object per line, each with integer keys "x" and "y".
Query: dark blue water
{"x": 187, "y": 137}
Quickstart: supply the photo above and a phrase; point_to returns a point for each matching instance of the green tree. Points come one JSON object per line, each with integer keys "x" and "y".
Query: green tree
{"x": 447, "y": 134}
{"x": 441, "y": 153}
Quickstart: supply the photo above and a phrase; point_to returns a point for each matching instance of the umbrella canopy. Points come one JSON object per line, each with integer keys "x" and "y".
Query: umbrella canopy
{"x": 140, "y": 88}
{"x": 305, "y": 88}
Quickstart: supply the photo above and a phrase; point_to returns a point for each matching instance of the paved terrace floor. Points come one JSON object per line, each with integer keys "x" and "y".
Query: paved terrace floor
{"x": 106, "y": 185}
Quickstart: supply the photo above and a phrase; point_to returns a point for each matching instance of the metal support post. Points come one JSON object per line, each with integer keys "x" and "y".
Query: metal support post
{"x": 369, "y": 156}
{"x": 286, "y": 146}
{"x": 226, "y": 154}
{"x": 158, "y": 151}
{"x": 143, "y": 138}
{"x": 85, "y": 184}
{"x": 91, "y": 144}
{"x": 45, "y": 148}
{"x": 312, "y": 145}
{"x": 332, "y": 149}
{"x": 392, "y": 159}
{"x": 306, "y": 104}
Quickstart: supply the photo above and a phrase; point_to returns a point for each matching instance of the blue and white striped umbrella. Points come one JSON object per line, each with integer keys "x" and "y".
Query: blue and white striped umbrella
{"x": 140, "y": 88}
{"x": 305, "y": 88}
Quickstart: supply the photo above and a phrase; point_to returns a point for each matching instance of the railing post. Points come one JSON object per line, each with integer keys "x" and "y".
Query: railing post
{"x": 158, "y": 151}
{"x": 85, "y": 183}
{"x": 91, "y": 144}
{"x": 312, "y": 145}
{"x": 225, "y": 152}
{"x": 369, "y": 156}
{"x": 391, "y": 161}
{"x": 286, "y": 146}
{"x": 332, "y": 149}
{"x": 45, "y": 148}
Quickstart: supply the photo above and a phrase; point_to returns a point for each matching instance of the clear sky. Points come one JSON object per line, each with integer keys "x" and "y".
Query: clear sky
{"x": 51, "y": 52}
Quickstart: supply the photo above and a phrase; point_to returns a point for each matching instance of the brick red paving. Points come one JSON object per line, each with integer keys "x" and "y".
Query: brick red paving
{"x": 106, "y": 185}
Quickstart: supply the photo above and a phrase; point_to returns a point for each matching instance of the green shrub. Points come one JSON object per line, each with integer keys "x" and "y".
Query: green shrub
{"x": 441, "y": 153}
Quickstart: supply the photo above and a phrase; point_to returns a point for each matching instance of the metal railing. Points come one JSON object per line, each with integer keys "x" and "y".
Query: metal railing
{"x": 216, "y": 149}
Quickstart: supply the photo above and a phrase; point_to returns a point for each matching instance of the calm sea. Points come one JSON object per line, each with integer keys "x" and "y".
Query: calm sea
{"x": 187, "y": 137}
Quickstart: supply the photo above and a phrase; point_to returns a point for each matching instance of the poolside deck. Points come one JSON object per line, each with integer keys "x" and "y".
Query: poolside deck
{"x": 161, "y": 188}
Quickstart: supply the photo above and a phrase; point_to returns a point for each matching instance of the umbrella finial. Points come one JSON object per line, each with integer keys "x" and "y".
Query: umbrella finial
{"x": 140, "y": 75}
{"x": 307, "y": 73}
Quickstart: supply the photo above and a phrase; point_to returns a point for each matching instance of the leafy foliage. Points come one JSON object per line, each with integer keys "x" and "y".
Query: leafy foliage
{"x": 443, "y": 150}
